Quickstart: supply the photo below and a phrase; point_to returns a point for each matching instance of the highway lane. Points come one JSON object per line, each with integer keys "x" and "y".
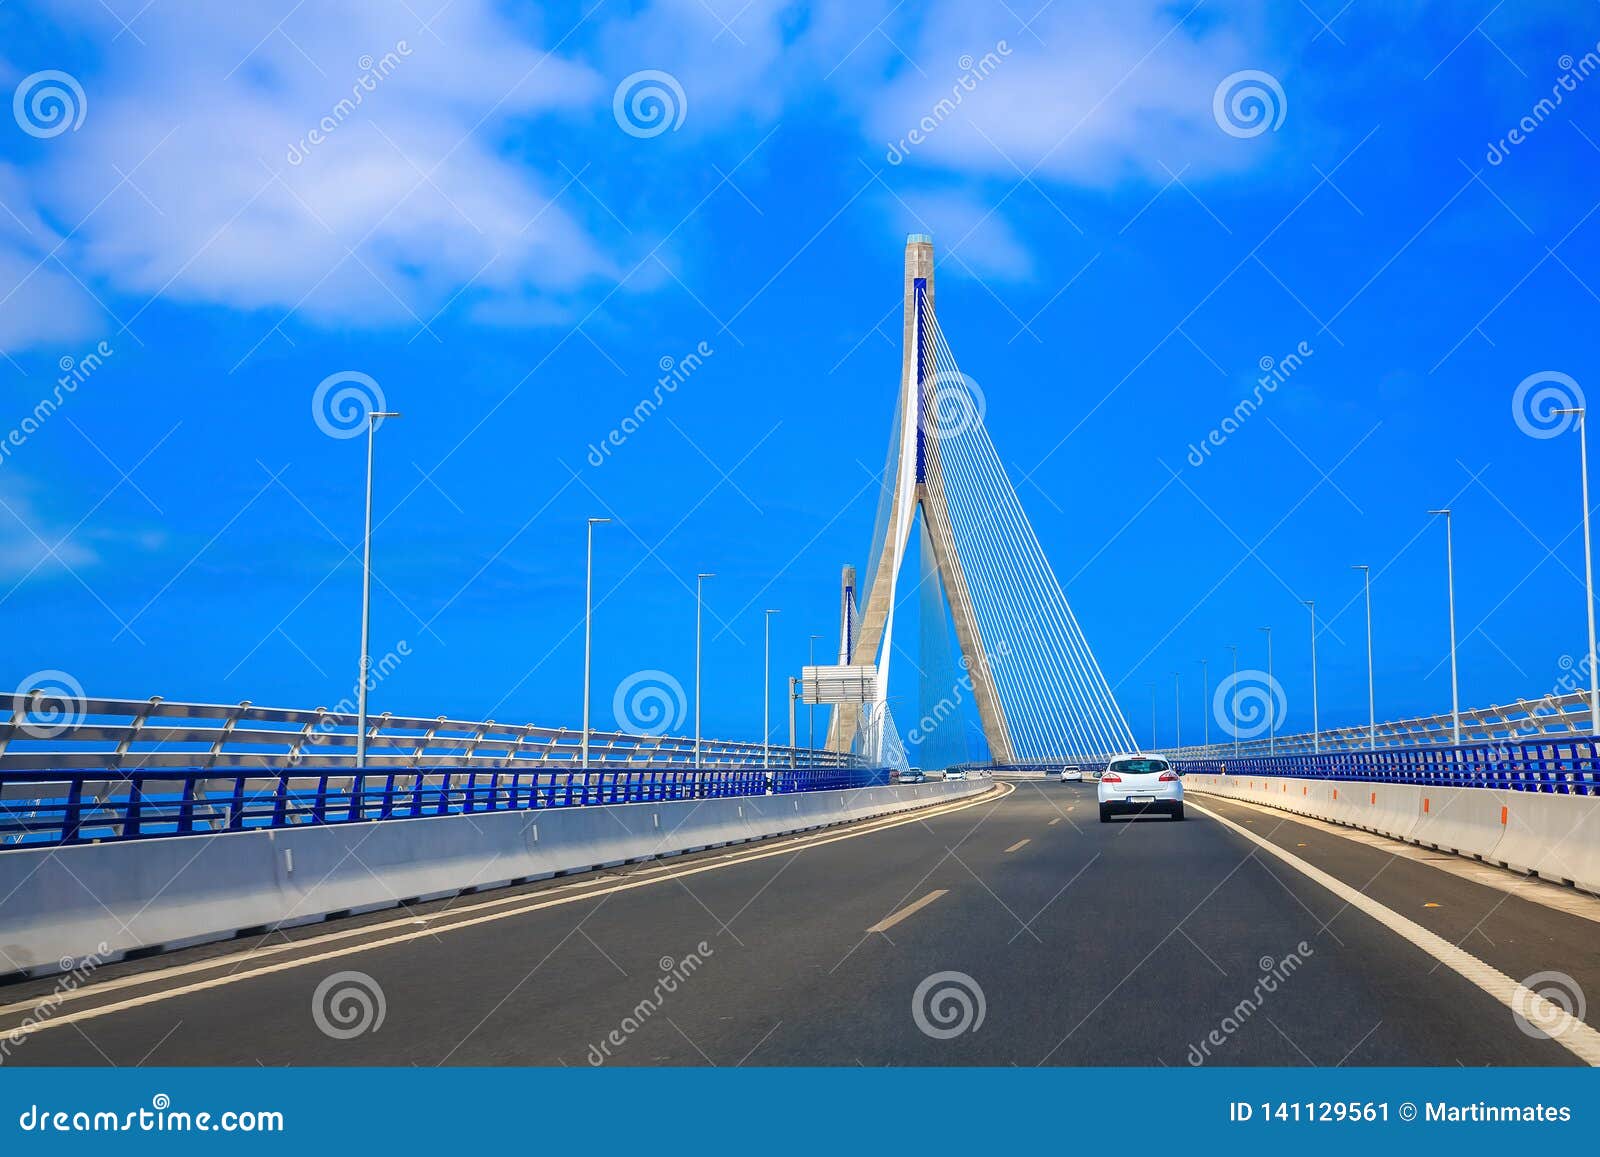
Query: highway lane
{"x": 1141, "y": 942}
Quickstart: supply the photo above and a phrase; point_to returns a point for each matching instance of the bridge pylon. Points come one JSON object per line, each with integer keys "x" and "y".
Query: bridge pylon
{"x": 918, "y": 488}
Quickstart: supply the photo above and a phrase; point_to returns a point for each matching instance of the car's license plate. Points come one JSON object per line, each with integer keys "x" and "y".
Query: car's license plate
{"x": 1141, "y": 799}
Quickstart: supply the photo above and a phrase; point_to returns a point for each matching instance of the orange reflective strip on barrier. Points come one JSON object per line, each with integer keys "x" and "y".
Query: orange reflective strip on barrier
{"x": 1335, "y": 793}
{"x": 1424, "y": 805}
{"x": 1502, "y": 817}
{"x": 1374, "y": 797}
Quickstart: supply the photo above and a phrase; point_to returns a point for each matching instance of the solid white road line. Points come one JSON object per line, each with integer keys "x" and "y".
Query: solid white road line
{"x": 889, "y": 922}
{"x": 1567, "y": 1030}
{"x": 438, "y": 929}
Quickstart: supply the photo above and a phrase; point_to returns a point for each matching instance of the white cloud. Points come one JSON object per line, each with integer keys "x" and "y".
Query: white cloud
{"x": 31, "y": 544}
{"x": 409, "y": 197}
{"x": 1088, "y": 96}
{"x": 1091, "y": 94}
{"x": 1112, "y": 93}
{"x": 39, "y": 301}
{"x": 442, "y": 185}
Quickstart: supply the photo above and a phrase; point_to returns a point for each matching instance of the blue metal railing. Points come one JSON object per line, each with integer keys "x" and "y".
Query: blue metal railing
{"x": 75, "y": 807}
{"x": 1558, "y": 767}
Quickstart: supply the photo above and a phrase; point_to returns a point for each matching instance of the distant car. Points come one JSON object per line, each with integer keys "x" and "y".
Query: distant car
{"x": 913, "y": 775}
{"x": 1072, "y": 775}
{"x": 955, "y": 773}
{"x": 1140, "y": 784}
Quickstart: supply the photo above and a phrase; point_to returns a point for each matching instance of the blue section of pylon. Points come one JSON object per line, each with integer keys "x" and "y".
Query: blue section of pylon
{"x": 920, "y": 288}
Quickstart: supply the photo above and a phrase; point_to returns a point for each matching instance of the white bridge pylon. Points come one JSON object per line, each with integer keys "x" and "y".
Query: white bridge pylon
{"x": 1026, "y": 665}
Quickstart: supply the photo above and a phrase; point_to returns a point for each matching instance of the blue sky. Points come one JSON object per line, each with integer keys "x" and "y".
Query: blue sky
{"x": 483, "y": 240}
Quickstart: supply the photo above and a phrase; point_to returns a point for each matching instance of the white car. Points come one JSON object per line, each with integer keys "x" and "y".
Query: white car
{"x": 1072, "y": 775}
{"x": 1140, "y": 784}
{"x": 955, "y": 773}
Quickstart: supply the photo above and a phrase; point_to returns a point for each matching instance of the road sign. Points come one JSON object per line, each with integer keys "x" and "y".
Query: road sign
{"x": 850, "y": 683}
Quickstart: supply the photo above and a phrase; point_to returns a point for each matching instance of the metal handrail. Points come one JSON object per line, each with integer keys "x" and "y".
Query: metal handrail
{"x": 1556, "y": 767}
{"x": 88, "y": 806}
{"x": 1553, "y": 715}
{"x": 41, "y": 733}
{"x": 1527, "y": 720}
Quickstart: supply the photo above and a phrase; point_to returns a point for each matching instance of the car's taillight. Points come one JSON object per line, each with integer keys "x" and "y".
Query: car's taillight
{"x": 1110, "y": 777}
{"x": 1167, "y": 777}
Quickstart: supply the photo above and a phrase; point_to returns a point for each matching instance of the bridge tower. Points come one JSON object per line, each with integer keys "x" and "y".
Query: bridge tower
{"x": 917, "y": 487}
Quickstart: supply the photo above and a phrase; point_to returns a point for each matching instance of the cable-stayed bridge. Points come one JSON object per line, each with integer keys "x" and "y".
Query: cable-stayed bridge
{"x": 1025, "y": 662}
{"x": 1038, "y": 689}
{"x": 1422, "y": 891}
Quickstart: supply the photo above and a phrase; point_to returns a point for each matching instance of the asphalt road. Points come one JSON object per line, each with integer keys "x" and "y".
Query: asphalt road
{"x": 1143, "y": 942}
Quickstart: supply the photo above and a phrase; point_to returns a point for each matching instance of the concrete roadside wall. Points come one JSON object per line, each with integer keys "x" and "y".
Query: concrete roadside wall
{"x": 103, "y": 901}
{"x": 1556, "y": 837}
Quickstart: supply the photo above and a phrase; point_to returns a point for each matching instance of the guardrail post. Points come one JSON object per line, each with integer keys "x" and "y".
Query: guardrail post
{"x": 19, "y": 715}
{"x": 186, "y": 805}
{"x": 421, "y": 749}
{"x": 478, "y": 738}
{"x": 514, "y": 751}
{"x": 305, "y": 734}
{"x": 72, "y": 817}
{"x": 131, "y": 824}
{"x": 224, "y": 731}
{"x": 133, "y": 730}
{"x": 236, "y": 805}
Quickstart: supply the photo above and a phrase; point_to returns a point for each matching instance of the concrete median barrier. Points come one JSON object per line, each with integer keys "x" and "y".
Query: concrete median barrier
{"x": 1390, "y": 809}
{"x": 1308, "y": 797}
{"x": 1465, "y": 820}
{"x": 102, "y": 901}
{"x": 1339, "y": 800}
{"x": 1556, "y": 837}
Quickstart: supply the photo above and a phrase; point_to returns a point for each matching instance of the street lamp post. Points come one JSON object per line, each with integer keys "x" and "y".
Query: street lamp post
{"x": 1177, "y": 712}
{"x": 1272, "y": 699}
{"x": 1233, "y": 706}
{"x": 1316, "y": 730}
{"x": 373, "y": 418}
{"x": 1588, "y": 569}
{"x": 1372, "y": 714}
{"x": 793, "y": 695}
{"x": 699, "y": 605}
{"x": 588, "y": 613}
{"x": 1205, "y": 700}
{"x": 1154, "y": 743}
{"x": 766, "y": 698}
{"x": 811, "y": 708}
{"x": 1450, "y": 579}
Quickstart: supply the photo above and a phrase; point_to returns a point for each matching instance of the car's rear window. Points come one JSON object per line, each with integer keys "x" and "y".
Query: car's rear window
{"x": 1139, "y": 766}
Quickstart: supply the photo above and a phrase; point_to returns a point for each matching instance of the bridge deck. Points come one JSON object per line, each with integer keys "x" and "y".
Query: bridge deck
{"x": 1126, "y": 943}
